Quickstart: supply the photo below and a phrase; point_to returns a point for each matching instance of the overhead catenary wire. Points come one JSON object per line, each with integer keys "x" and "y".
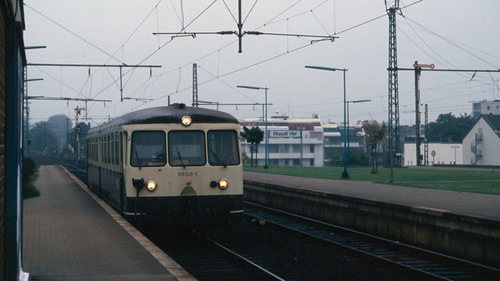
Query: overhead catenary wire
{"x": 457, "y": 45}
{"x": 184, "y": 27}
{"x": 73, "y": 33}
{"x": 218, "y": 52}
{"x": 274, "y": 57}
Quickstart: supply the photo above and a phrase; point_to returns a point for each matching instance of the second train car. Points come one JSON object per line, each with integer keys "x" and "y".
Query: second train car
{"x": 171, "y": 164}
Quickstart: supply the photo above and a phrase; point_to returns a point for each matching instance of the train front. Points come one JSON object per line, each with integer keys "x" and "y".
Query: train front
{"x": 188, "y": 171}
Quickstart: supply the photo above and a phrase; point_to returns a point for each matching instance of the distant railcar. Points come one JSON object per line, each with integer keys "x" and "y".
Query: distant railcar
{"x": 171, "y": 164}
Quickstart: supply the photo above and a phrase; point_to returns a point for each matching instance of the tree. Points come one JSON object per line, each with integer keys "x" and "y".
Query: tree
{"x": 43, "y": 140}
{"x": 61, "y": 125}
{"x": 450, "y": 129}
{"x": 254, "y": 136}
{"x": 30, "y": 168}
{"x": 375, "y": 133}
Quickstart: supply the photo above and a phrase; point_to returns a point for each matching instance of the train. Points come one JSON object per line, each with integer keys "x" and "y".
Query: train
{"x": 171, "y": 164}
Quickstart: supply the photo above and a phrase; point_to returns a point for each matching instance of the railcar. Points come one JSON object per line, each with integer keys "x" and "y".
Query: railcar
{"x": 169, "y": 165}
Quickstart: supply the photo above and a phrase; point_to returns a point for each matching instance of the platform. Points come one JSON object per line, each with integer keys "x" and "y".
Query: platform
{"x": 461, "y": 224}
{"x": 460, "y": 203}
{"x": 70, "y": 234}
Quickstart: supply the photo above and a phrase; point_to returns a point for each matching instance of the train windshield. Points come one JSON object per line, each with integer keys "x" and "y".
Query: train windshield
{"x": 186, "y": 148}
{"x": 148, "y": 149}
{"x": 223, "y": 148}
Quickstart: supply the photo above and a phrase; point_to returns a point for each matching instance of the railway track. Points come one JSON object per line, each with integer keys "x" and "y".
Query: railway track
{"x": 204, "y": 258}
{"x": 426, "y": 263}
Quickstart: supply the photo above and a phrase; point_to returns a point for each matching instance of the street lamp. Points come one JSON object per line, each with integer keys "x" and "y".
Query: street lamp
{"x": 266, "y": 153}
{"x": 455, "y": 147}
{"x": 348, "y": 142}
{"x": 345, "y": 175}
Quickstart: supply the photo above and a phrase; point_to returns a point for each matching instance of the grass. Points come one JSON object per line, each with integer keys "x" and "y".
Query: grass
{"x": 487, "y": 182}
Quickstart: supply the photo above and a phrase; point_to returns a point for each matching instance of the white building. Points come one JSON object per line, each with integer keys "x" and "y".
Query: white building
{"x": 292, "y": 142}
{"x": 439, "y": 153}
{"x": 482, "y": 143}
{"x": 485, "y": 107}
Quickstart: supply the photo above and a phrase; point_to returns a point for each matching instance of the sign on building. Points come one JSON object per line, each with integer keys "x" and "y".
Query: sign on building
{"x": 295, "y": 134}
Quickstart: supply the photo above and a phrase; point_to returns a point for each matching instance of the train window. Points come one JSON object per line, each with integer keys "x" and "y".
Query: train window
{"x": 117, "y": 150}
{"x": 111, "y": 148}
{"x": 103, "y": 151}
{"x": 96, "y": 149}
{"x": 148, "y": 149}
{"x": 110, "y": 152}
{"x": 186, "y": 148}
{"x": 223, "y": 148}
{"x": 120, "y": 148}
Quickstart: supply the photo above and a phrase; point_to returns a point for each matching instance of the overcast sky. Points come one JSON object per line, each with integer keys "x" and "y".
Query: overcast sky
{"x": 447, "y": 33}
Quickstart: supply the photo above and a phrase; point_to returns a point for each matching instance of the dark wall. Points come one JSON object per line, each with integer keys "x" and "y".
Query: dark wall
{"x": 2, "y": 143}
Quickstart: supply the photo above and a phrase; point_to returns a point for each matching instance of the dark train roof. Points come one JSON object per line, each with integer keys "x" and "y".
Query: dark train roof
{"x": 170, "y": 114}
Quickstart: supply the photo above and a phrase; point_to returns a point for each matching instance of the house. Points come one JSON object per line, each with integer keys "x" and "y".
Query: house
{"x": 481, "y": 146}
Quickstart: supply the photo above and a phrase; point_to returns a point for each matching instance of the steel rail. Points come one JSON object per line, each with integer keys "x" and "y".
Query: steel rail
{"x": 454, "y": 268}
{"x": 246, "y": 260}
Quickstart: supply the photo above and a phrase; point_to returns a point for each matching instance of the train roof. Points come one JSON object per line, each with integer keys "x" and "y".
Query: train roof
{"x": 169, "y": 114}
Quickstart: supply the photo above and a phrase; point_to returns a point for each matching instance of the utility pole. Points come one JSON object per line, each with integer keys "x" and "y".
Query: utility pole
{"x": 240, "y": 33}
{"x": 426, "y": 143}
{"x": 240, "y": 27}
{"x": 393, "y": 97}
{"x": 418, "y": 71}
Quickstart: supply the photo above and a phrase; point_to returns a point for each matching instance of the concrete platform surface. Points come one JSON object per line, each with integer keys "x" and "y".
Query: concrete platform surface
{"x": 68, "y": 235}
{"x": 461, "y": 203}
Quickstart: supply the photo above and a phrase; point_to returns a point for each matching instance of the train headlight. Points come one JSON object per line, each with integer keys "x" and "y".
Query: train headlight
{"x": 151, "y": 185}
{"x": 186, "y": 120}
{"x": 223, "y": 184}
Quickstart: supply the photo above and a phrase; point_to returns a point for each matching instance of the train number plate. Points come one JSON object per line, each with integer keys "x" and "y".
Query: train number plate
{"x": 187, "y": 174}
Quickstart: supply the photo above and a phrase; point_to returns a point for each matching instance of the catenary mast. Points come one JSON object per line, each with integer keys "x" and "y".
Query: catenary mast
{"x": 393, "y": 97}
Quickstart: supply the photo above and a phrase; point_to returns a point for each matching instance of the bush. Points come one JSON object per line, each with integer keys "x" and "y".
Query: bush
{"x": 30, "y": 169}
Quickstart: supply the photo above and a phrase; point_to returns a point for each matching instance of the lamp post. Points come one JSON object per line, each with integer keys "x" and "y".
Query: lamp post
{"x": 345, "y": 175}
{"x": 455, "y": 147}
{"x": 348, "y": 142}
{"x": 266, "y": 153}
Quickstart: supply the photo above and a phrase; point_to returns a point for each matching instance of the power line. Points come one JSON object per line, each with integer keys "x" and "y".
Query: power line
{"x": 240, "y": 33}
{"x": 120, "y": 66}
{"x": 454, "y": 43}
{"x": 64, "y": 99}
{"x": 446, "y": 70}
{"x": 76, "y": 35}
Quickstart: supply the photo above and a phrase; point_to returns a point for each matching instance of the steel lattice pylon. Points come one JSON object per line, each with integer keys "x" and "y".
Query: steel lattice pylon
{"x": 393, "y": 97}
{"x": 195, "y": 85}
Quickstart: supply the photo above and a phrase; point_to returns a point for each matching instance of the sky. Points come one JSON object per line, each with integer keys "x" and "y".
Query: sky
{"x": 451, "y": 34}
